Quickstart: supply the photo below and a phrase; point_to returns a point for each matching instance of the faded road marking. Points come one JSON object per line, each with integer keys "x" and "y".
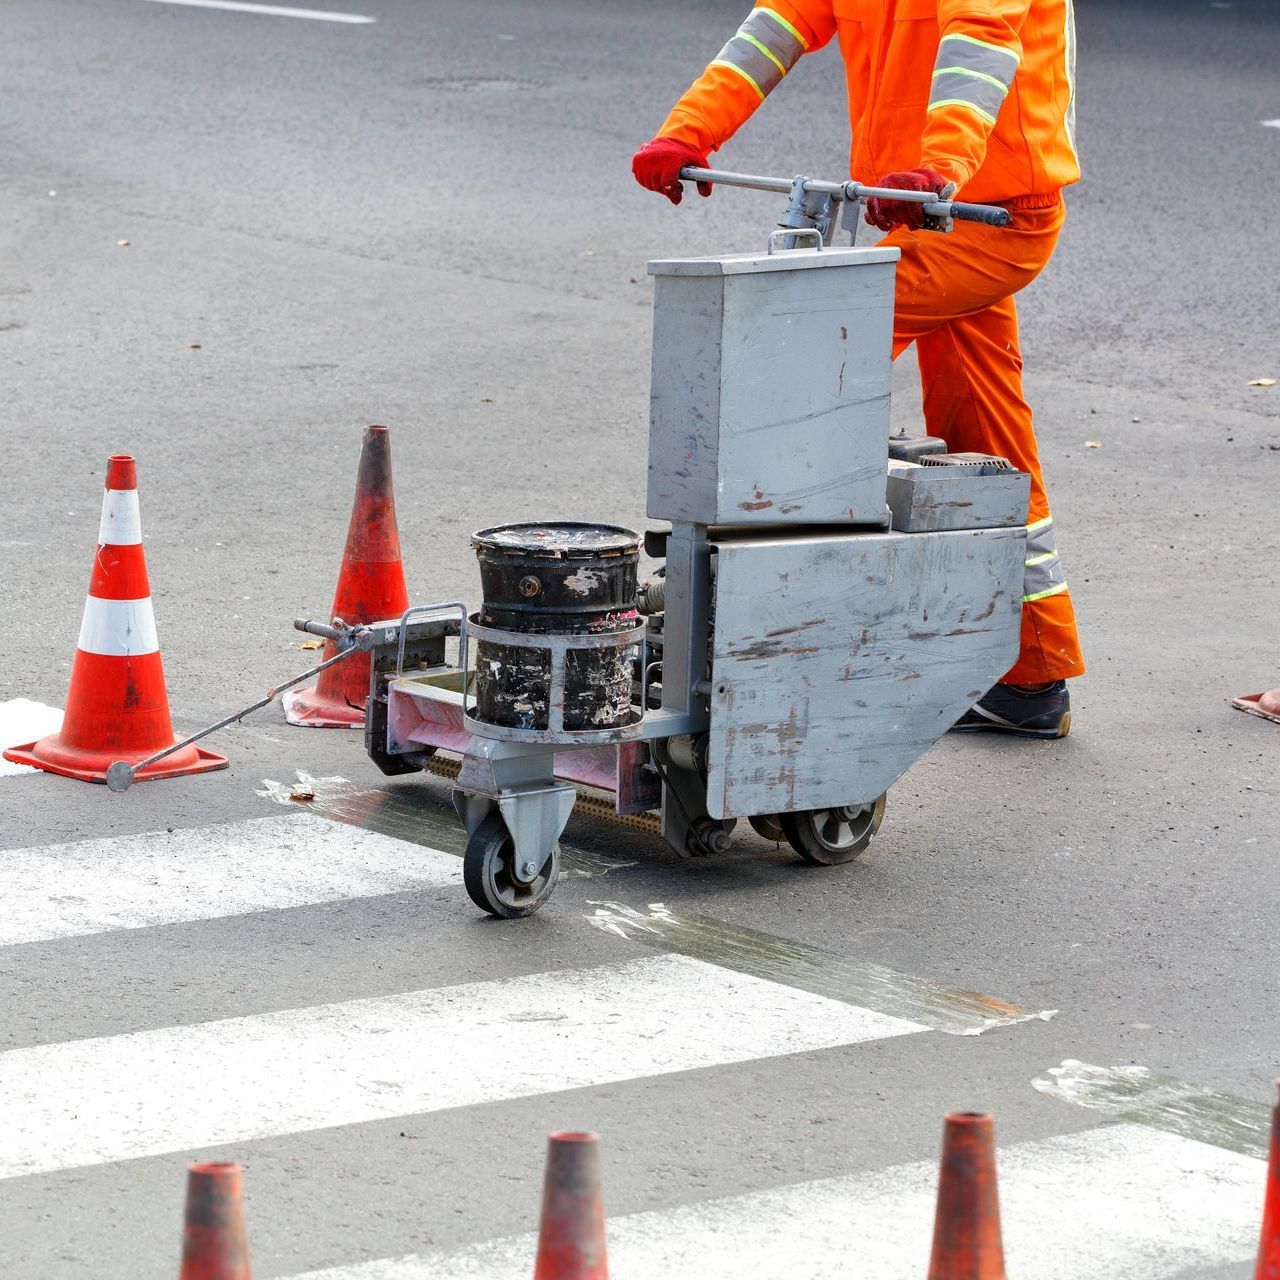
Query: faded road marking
{"x": 88, "y": 1102}
{"x": 203, "y": 873}
{"x": 824, "y": 973}
{"x": 1141, "y": 1096}
{"x": 270, "y": 10}
{"x": 408, "y": 811}
{"x": 1119, "y": 1201}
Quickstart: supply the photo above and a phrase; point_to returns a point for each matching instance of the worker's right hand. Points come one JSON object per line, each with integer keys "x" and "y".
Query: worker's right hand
{"x": 658, "y": 163}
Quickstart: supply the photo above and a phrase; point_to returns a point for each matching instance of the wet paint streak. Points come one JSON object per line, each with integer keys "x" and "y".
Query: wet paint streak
{"x": 1141, "y": 1096}
{"x": 407, "y": 812}
{"x": 824, "y": 973}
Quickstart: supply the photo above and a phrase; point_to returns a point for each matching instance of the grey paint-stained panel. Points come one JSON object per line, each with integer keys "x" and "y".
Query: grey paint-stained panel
{"x": 754, "y": 358}
{"x": 838, "y": 660}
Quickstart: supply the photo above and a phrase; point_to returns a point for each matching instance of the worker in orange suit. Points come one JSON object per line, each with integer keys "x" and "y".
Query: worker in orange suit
{"x": 966, "y": 97}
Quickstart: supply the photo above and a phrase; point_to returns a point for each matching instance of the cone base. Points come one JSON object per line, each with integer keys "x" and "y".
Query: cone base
{"x": 309, "y": 709}
{"x": 51, "y": 756}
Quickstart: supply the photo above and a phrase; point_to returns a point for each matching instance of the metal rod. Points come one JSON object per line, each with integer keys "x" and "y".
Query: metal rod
{"x": 993, "y": 215}
{"x": 120, "y": 775}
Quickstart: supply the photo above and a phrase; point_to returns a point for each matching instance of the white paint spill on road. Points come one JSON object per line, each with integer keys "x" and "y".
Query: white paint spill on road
{"x": 269, "y": 10}
{"x": 1141, "y": 1096}
{"x": 825, "y": 973}
{"x": 87, "y": 1102}
{"x": 164, "y": 877}
{"x": 1116, "y": 1201}
{"x": 23, "y": 721}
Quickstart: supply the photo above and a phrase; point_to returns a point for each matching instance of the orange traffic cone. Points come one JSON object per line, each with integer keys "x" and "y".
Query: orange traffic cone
{"x": 370, "y": 588}
{"x": 1268, "y": 1267}
{"x": 117, "y": 708}
{"x": 214, "y": 1245}
{"x": 571, "y": 1238}
{"x": 966, "y": 1232}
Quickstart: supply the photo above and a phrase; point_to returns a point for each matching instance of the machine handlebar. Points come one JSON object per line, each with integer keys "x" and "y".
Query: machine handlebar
{"x": 946, "y": 210}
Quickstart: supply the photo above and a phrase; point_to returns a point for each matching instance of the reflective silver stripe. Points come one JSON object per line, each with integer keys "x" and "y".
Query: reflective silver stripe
{"x": 779, "y": 37}
{"x": 752, "y": 62}
{"x": 1040, "y": 538}
{"x": 762, "y": 51}
{"x": 1069, "y": 38}
{"x": 984, "y": 94}
{"x": 1043, "y": 572}
{"x": 979, "y": 57}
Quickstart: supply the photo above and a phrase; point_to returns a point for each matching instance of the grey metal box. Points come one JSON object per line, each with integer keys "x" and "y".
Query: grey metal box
{"x": 770, "y": 391}
{"x": 838, "y": 659}
{"x": 927, "y": 499}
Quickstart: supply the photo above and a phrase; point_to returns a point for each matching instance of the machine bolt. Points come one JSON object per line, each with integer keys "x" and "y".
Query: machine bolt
{"x": 530, "y": 585}
{"x": 529, "y": 870}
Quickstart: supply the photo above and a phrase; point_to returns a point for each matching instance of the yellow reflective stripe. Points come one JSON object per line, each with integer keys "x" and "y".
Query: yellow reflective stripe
{"x": 742, "y": 35}
{"x": 1048, "y": 555}
{"x": 782, "y": 22}
{"x": 960, "y": 102}
{"x": 983, "y": 44}
{"x": 720, "y": 62}
{"x": 1040, "y": 595}
{"x": 977, "y": 75}
{"x": 1040, "y": 524}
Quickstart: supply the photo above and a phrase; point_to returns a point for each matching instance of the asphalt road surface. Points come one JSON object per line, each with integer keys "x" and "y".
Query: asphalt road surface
{"x": 428, "y": 221}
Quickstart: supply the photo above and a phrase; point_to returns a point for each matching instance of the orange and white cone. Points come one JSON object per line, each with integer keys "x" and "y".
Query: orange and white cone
{"x": 214, "y": 1244}
{"x": 371, "y": 588}
{"x": 117, "y": 707}
{"x": 966, "y": 1232}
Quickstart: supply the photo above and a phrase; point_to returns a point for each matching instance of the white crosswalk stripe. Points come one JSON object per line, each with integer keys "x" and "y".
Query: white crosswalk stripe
{"x": 1117, "y": 1201}
{"x": 164, "y": 877}
{"x": 120, "y": 1097}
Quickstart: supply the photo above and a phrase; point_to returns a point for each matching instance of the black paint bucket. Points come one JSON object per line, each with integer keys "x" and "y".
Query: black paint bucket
{"x": 561, "y": 579}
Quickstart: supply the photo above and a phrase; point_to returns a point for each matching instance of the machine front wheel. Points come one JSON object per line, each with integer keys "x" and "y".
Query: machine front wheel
{"x": 493, "y": 881}
{"x": 829, "y": 837}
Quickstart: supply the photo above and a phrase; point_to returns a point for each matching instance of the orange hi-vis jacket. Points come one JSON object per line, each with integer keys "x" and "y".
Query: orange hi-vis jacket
{"x": 982, "y": 91}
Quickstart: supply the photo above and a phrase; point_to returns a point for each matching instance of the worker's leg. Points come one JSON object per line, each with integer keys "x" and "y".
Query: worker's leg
{"x": 955, "y": 302}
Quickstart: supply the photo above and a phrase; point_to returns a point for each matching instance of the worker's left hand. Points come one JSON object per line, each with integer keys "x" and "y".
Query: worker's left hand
{"x": 887, "y": 214}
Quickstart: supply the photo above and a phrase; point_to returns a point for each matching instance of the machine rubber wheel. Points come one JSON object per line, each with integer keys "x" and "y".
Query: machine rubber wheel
{"x": 488, "y": 871}
{"x": 768, "y": 826}
{"x": 829, "y": 837}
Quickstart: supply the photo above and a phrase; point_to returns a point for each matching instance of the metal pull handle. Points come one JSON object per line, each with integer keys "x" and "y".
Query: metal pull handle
{"x": 811, "y": 233}
{"x": 320, "y": 629}
{"x": 991, "y": 214}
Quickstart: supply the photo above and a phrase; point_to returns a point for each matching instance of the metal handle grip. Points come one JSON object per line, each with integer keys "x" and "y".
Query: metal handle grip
{"x": 319, "y": 629}
{"x": 991, "y": 214}
{"x": 808, "y": 233}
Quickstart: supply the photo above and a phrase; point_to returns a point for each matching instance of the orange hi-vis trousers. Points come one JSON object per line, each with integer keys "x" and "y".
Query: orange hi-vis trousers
{"x": 955, "y": 302}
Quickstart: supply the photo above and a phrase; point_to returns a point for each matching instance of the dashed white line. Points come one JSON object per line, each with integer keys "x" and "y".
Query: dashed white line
{"x": 1270, "y": 124}
{"x": 270, "y": 10}
{"x": 1118, "y": 1201}
{"x": 88, "y": 1102}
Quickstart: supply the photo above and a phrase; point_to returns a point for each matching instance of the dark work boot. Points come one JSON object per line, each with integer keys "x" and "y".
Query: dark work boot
{"x": 1026, "y": 713}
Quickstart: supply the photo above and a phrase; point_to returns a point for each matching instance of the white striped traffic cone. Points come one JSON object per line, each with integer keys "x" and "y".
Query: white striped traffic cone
{"x": 117, "y": 708}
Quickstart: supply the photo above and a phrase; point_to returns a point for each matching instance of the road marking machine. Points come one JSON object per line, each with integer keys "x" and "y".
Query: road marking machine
{"x": 828, "y": 601}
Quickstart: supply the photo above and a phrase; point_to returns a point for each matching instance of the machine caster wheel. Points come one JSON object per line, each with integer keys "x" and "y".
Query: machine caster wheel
{"x": 829, "y": 837}
{"x": 768, "y": 826}
{"x": 492, "y": 879}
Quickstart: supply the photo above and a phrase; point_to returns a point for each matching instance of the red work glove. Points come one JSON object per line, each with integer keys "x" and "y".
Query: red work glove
{"x": 887, "y": 214}
{"x": 658, "y": 163}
